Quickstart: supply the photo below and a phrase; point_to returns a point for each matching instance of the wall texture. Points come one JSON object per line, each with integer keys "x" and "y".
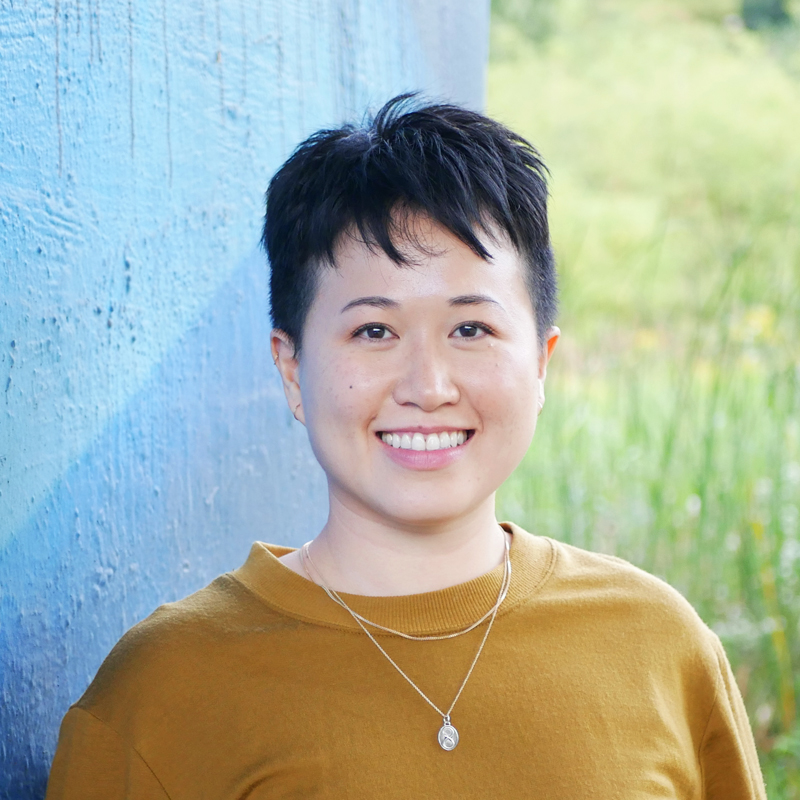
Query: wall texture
{"x": 144, "y": 440}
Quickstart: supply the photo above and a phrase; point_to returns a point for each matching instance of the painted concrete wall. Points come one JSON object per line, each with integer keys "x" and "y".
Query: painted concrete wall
{"x": 144, "y": 442}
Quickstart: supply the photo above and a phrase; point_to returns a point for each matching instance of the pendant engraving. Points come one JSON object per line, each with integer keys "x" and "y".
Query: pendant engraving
{"x": 448, "y": 736}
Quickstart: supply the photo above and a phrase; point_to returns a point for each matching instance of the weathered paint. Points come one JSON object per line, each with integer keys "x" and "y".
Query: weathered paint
{"x": 144, "y": 440}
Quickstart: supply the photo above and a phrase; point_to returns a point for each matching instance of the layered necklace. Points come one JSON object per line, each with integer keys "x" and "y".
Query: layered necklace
{"x": 448, "y": 735}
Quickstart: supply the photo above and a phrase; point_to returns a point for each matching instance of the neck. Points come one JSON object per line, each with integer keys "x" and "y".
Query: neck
{"x": 374, "y": 557}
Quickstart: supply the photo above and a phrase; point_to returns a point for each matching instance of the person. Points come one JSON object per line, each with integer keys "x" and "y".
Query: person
{"x": 416, "y": 647}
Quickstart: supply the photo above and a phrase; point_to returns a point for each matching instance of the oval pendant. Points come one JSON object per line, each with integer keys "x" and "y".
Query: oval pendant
{"x": 448, "y": 737}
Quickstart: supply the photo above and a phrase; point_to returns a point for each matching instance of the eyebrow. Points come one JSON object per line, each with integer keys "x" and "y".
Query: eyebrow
{"x": 377, "y": 301}
{"x": 472, "y": 300}
{"x": 374, "y": 302}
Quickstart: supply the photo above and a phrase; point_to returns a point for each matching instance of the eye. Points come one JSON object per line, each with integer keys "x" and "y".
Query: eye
{"x": 373, "y": 331}
{"x": 471, "y": 330}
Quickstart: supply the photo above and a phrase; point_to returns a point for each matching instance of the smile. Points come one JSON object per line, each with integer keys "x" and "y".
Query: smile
{"x": 418, "y": 441}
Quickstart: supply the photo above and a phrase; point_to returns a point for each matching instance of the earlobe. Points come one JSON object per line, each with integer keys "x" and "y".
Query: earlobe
{"x": 284, "y": 354}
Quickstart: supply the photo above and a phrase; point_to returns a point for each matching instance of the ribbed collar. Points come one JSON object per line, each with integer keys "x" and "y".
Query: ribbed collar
{"x": 532, "y": 560}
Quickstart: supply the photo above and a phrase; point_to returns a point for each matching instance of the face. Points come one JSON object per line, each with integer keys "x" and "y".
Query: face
{"x": 420, "y": 386}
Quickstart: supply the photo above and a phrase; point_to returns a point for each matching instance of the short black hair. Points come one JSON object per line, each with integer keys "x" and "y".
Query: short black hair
{"x": 457, "y": 167}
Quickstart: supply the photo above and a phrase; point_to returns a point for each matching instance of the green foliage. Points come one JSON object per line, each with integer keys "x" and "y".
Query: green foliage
{"x": 671, "y": 434}
{"x": 533, "y": 18}
{"x": 764, "y": 13}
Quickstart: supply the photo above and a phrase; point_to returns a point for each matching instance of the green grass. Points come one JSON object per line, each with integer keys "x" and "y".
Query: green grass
{"x": 671, "y": 434}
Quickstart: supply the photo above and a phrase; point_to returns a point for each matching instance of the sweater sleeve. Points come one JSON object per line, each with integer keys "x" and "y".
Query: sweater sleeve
{"x": 727, "y": 752}
{"x": 93, "y": 762}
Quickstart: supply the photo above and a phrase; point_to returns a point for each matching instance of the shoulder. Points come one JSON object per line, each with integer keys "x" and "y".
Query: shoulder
{"x": 637, "y": 622}
{"x": 182, "y": 647}
{"x": 601, "y": 578}
{"x": 208, "y": 614}
{"x": 595, "y": 591}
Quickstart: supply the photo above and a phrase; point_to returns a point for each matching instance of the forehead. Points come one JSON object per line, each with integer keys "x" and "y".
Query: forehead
{"x": 439, "y": 266}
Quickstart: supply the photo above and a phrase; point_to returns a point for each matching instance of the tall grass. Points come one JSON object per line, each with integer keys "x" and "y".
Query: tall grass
{"x": 671, "y": 435}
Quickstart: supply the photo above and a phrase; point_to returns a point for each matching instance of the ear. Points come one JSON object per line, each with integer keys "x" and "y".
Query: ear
{"x": 551, "y": 335}
{"x": 284, "y": 355}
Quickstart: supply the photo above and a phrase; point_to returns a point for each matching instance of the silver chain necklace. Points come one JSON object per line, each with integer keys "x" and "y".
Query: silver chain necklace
{"x": 433, "y": 637}
{"x": 448, "y": 735}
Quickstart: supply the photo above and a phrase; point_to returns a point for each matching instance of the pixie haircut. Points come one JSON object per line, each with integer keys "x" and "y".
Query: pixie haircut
{"x": 468, "y": 173}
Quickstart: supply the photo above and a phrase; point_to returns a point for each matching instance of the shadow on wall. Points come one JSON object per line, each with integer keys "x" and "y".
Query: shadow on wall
{"x": 203, "y": 461}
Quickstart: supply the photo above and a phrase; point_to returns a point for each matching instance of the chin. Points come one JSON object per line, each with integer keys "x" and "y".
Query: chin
{"x": 428, "y": 512}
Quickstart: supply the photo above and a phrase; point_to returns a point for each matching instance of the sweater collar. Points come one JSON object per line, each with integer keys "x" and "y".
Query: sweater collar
{"x": 532, "y": 560}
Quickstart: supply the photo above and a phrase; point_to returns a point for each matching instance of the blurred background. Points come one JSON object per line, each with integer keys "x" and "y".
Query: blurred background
{"x": 671, "y": 435}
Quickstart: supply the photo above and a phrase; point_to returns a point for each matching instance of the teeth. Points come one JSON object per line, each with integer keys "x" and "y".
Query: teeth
{"x": 417, "y": 441}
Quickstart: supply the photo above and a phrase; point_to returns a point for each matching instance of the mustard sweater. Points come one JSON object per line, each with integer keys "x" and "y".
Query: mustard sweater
{"x": 597, "y": 681}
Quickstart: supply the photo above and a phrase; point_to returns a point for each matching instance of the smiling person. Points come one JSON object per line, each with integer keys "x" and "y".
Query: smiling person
{"x": 416, "y": 648}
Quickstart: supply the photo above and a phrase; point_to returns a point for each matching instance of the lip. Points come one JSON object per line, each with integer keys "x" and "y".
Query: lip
{"x": 424, "y": 460}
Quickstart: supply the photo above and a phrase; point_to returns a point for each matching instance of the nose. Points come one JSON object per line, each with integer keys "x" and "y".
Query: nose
{"x": 427, "y": 378}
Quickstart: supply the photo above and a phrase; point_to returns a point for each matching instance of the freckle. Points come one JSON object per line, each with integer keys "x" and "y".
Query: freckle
{"x": 351, "y": 387}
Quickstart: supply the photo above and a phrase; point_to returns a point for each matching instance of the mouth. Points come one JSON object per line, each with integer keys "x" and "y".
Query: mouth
{"x": 414, "y": 440}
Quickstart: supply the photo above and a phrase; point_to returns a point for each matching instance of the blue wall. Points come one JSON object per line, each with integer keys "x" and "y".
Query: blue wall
{"x": 144, "y": 439}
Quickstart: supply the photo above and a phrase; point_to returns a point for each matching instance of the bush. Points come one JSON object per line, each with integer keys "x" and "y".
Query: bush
{"x": 671, "y": 434}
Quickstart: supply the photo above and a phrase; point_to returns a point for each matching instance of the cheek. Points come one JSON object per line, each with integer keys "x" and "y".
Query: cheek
{"x": 509, "y": 392}
{"x": 510, "y": 415}
{"x": 337, "y": 393}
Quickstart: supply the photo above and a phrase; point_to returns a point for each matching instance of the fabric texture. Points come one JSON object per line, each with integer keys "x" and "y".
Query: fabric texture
{"x": 597, "y": 681}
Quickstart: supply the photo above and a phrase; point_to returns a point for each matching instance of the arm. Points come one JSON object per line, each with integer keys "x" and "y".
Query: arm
{"x": 727, "y": 751}
{"x": 93, "y": 762}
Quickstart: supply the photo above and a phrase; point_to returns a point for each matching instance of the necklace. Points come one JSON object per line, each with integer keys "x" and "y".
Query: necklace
{"x": 448, "y": 735}
{"x": 305, "y": 555}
